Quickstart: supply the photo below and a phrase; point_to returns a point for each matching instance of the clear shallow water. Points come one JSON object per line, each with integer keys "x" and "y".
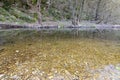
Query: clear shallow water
{"x": 73, "y": 55}
{"x": 31, "y": 53}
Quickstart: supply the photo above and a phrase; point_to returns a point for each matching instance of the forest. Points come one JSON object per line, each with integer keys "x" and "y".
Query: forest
{"x": 75, "y": 11}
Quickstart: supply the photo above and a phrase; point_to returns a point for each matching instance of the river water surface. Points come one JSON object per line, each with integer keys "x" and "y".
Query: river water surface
{"x": 47, "y": 57}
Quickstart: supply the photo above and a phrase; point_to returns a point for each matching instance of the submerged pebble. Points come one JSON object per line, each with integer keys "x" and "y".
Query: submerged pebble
{"x": 1, "y": 75}
{"x": 2, "y": 49}
{"x": 17, "y": 51}
{"x": 109, "y": 73}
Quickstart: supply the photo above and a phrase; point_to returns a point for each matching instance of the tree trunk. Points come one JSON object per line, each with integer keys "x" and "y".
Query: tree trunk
{"x": 97, "y": 10}
{"x": 81, "y": 9}
{"x": 39, "y": 12}
{"x": 39, "y": 18}
{"x": 76, "y": 11}
{"x": 36, "y": 9}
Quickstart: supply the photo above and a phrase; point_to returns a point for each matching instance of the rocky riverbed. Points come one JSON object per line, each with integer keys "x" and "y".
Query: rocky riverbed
{"x": 59, "y": 55}
{"x": 60, "y": 59}
{"x": 109, "y": 72}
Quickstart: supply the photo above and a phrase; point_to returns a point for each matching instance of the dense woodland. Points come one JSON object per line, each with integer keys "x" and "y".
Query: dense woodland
{"x": 100, "y": 11}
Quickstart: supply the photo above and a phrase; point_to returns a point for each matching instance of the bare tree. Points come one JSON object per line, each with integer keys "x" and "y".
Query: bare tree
{"x": 97, "y": 9}
{"x": 77, "y": 10}
{"x": 81, "y": 9}
{"x": 36, "y": 8}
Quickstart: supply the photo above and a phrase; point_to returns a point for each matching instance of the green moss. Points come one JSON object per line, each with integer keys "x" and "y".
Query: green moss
{"x": 14, "y": 15}
{"x": 2, "y": 18}
{"x": 21, "y": 15}
{"x": 4, "y": 12}
{"x": 6, "y": 16}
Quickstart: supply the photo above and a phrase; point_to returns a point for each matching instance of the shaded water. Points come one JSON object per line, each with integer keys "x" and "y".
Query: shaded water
{"x": 56, "y": 55}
